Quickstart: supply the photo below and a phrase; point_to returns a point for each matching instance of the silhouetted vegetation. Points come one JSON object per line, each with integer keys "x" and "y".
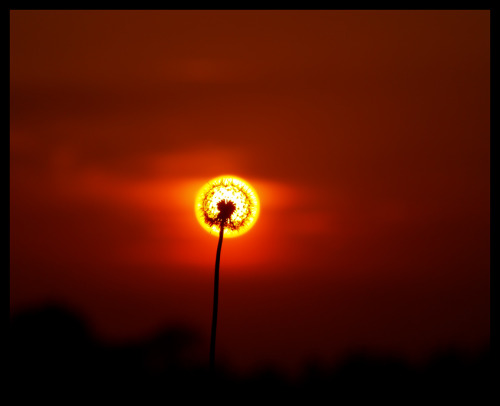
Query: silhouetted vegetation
{"x": 53, "y": 357}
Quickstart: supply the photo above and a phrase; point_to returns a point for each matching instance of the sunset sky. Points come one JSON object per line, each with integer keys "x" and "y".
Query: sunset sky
{"x": 366, "y": 135}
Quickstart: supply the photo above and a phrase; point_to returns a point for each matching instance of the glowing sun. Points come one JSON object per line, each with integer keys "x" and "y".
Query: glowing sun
{"x": 225, "y": 193}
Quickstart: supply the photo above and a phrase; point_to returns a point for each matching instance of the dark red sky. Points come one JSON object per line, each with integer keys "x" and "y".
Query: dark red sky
{"x": 365, "y": 134}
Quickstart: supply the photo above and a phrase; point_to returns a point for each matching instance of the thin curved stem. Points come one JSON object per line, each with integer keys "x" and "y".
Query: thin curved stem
{"x": 216, "y": 300}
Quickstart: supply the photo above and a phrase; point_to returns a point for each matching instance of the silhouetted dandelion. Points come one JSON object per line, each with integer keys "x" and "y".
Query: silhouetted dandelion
{"x": 229, "y": 206}
{"x": 230, "y": 189}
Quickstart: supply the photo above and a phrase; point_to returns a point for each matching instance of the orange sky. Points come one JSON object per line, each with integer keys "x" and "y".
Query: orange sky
{"x": 365, "y": 134}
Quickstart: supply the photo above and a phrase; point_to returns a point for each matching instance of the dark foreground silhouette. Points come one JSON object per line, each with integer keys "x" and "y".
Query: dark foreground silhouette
{"x": 54, "y": 358}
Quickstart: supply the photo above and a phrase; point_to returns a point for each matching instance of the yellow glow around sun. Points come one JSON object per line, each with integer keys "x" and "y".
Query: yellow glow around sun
{"x": 229, "y": 188}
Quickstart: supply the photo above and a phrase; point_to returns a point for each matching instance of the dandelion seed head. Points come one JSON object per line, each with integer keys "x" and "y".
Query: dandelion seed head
{"x": 230, "y": 201}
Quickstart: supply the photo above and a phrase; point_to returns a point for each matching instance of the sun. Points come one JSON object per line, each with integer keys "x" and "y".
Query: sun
{"x": 220, "y": 192}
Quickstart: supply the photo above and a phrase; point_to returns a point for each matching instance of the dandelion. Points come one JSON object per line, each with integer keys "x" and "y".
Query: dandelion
{"x": 229, "y": 206}
{"x": 229, "y": 189}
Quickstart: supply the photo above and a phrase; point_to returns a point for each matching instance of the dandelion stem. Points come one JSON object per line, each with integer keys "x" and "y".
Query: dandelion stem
{"x": 216, "y": 299}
